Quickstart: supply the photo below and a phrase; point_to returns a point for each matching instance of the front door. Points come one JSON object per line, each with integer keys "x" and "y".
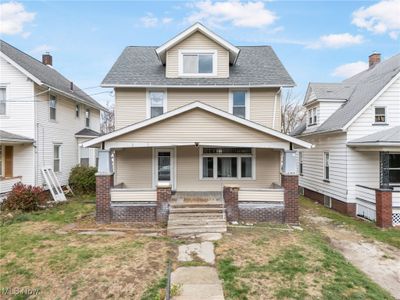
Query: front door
{"x": 164, "y": 170}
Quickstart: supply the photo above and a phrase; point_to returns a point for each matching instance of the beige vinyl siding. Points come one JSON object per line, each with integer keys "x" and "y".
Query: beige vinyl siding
{"x": 130, "y": 106}
{"x": 218, "y": 98}
{"x": 198, "y": 126}
{"x": 122, "y": 195}
{"x": 188, "y": 171}
{"x": 260, "y": 195}
{"x": 262, "y": 107}
{"x": 197, "y": 41}
{"x": 133, "y": 167}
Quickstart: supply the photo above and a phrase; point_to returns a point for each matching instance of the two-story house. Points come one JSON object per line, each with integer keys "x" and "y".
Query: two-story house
{"x": 197, "y": 114}
{"x": 44, "y": 117}
{"x": 355, "y": 127}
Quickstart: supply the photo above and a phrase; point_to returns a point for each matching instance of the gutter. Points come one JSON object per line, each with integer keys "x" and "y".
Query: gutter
{"x": 195, "y": 86}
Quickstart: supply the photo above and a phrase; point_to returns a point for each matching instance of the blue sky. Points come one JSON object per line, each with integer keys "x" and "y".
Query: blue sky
{"x": 316, "y": 40}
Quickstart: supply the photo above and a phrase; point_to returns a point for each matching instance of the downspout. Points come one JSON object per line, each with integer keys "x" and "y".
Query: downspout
{"x": 274, "y": 115}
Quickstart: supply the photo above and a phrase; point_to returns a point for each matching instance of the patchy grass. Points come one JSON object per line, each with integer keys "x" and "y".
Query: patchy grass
{"x": 263, "y": 262}
{"x": 35, "y": 254}
{"x": 368, "y": 229}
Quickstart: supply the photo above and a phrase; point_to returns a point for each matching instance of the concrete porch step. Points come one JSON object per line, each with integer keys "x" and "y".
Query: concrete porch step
{"x": 198, "y": 221}
{"x": 191, "y": 229}
{"x": 196, "y": 215}
{"x": 196, "y": 204}
{"x": 184, "y": 210}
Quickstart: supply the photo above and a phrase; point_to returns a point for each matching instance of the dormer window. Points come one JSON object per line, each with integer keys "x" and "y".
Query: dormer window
{"x": 197, "y": 63}
{"x": 380, "y": 115}
{"x": 312, "y": 116}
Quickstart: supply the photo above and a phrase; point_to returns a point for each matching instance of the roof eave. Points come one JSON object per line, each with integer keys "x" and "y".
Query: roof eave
{"x": 116, "y": 85}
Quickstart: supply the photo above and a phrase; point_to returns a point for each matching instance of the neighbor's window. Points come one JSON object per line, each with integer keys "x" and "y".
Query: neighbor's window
{"x": 53, "y": 107}
{"x": 84, "y": 157}
{"x": 239, "y": 104}
{"x": 157, "y": 103}
{"x": 3, "y": 101}
{"x": 390, "y": 169}
{"x": 57, "y": 158}
{"x": 87, "y": 117}
{"x": 301, "y": 163}
{"x": 380, "y": 114}
{"x": 197, "y": 63}
{"x": 315, "y": 115}
{"x": 326, "y": 165}
{"x": 77, "y": 110}
{"x": 227, "y": 163}
{"x": 312, "y": 116}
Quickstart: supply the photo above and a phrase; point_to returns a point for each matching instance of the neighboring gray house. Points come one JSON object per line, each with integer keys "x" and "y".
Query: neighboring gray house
{"x": 43, "y": 119}
{"x": 355, "y": 127}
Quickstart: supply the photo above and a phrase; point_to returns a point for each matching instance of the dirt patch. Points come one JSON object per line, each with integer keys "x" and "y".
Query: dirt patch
{"x": 379, "y": 261}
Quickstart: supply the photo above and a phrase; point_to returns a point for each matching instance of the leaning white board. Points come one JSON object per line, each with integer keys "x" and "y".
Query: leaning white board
{"x": 53, "y": 184}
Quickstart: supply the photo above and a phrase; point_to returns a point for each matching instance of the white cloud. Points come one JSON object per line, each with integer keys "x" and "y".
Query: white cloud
{"x": 239, "y": 14}
{"x": 348, "y": 70}
{"x": 382, "y": 17}
{"x": 40, "y": 49}
{"x": 150, "y": 20}
{"x": 13, "y": 17}
{"x": 339, "y": 40}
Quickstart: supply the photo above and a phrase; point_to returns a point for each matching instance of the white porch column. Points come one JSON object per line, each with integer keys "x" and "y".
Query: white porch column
{"x": 105, "y": 165}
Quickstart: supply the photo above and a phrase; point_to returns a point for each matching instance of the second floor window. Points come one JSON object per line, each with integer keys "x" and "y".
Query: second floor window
{"x": 3, "y": 101}
{"x": 77, "y": 110}
{"x": 239, "y": 104}
{"x": 326, "y": 165}
{"x": 53, "y": 107}
{"x": 157, "y": 103}
{"x": 312, "y": 116}
{"x": 380, "y": 115}
{"x": 197, "y": 64}
{"x": 87, "y": 117}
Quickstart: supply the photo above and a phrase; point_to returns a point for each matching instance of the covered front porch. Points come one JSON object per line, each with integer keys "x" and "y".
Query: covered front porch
{"x": 197, "y": 148}
{"x": 377, "y": 188}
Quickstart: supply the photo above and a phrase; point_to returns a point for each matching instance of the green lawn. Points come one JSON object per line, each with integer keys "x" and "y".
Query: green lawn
{"x": 34, "y": 254}
{"x": 263, "y": 262}
{"x": 368, "y": 229}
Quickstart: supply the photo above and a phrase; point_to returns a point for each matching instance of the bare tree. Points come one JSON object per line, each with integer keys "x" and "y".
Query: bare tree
{"x": 108, "y": 119}
{"x": 292, "y": 112}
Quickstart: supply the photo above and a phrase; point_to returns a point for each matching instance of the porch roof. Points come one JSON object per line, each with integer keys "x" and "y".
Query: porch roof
{"x": 387, "y": 138}
{"x": 12, "y": 138}
{"x": 189, "y": 107}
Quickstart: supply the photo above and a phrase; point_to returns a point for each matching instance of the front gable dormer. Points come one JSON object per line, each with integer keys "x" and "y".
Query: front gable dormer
{"x": 197, "y": 53}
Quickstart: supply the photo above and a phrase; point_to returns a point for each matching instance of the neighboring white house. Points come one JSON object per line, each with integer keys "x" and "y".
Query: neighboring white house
{"x": 355, "y": 127}
{"x": 43, "y": 119}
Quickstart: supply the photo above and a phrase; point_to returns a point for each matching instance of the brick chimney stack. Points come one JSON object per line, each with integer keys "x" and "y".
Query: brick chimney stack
{"x": 47, "y": 59}
{"x": 374, "y": 58}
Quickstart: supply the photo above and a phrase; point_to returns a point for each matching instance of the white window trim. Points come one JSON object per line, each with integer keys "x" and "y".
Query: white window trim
{"x": 386, "y": 115}
{"x": 247, "y": 101}
{"x": 59, "y": 159}
{"x": 148, "y": 103}
{"x": 52, "y": 120}
{"x": 5, "y": 100}
{"x": 79, "y": 111}
{"x": 181, "y": 52}
{"x": 87, "y": 109}
{"x": 323, "y": 166}
{"x": 215, "y": 165}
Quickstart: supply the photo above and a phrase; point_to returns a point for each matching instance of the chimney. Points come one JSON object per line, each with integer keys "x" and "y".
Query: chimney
{"x": 47, "y": 59}
{"x": 374, "y": 58}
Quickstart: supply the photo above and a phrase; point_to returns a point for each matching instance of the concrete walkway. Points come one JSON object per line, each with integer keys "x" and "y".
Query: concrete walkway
{"x": 201, "y": 282}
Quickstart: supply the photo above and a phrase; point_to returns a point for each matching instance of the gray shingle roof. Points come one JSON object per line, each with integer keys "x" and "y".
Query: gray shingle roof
{"x": 87, "y": 132}
{"x": 391, "y": 135}
{"x": 46, "y": 74}
{"x": 367, "y": 85}
{"x": 6, "y": 136}
{"x": 255, "y": 66}
{"x": 337, "y": 91}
